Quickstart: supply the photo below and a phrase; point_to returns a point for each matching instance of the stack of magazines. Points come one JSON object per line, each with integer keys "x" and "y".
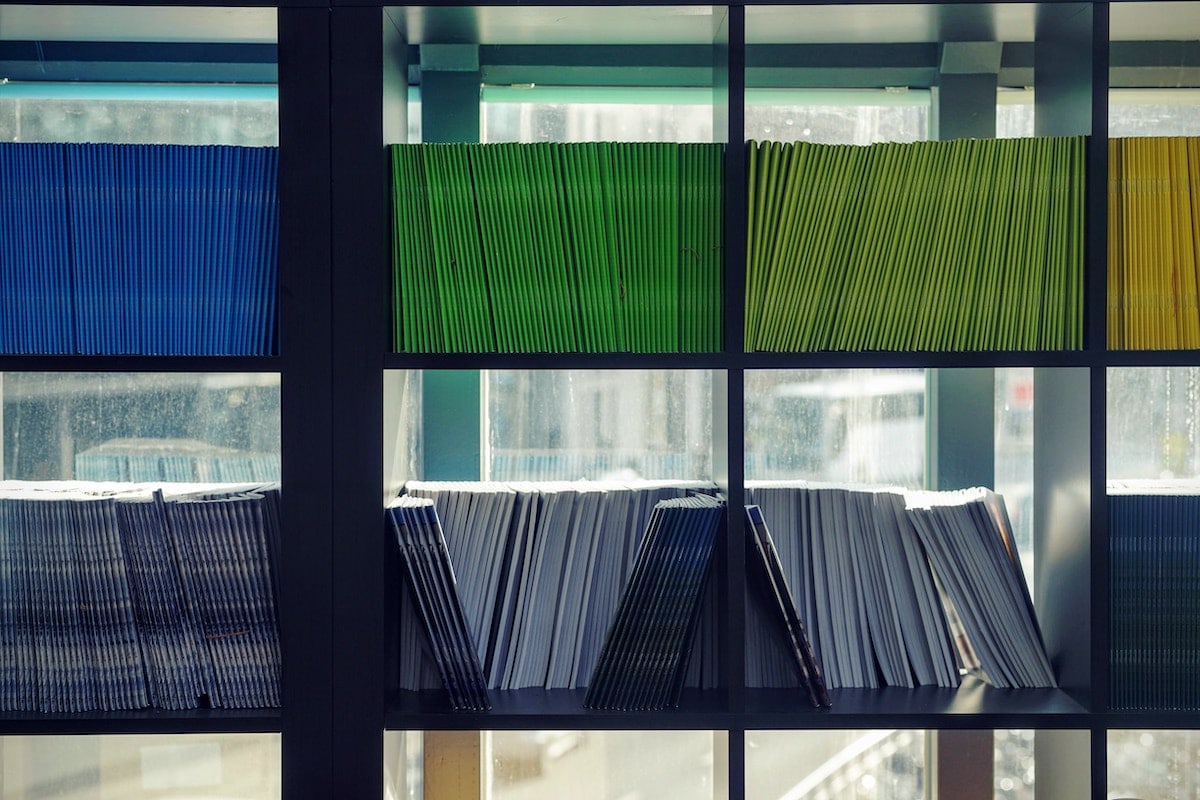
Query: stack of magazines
{"x": 550, "y": 247}
{"x": 540, "y": 568}
{"x": 431, "y": 579}
{"x": 1154, "y": 586}
{"x": 643, "y": 663}
{"x": 971, "y": 244}
{"x": 120, "y": 597}
{"x": 901, "y": 588}
{"x": 138, "y": 249}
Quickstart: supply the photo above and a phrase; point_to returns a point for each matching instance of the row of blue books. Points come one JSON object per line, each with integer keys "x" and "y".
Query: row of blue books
{"x": 119, "y": 597}
{"x": 138, "y": 249}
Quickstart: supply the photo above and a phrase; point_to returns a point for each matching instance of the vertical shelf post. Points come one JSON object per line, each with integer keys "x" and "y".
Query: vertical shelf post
{"x": 305, "y": 254}
{"x": 358, "y": 331}
{"x": 452, "y": 400}
{"x": 729, "y": 94}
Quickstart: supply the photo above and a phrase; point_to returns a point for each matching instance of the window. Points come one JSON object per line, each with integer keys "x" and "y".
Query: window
{"x": 140, "y": 426}
{"x": 598, "y": 424}
{"x": 141, "y": 767}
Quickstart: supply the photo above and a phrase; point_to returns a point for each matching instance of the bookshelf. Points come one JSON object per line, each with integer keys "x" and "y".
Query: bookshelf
{"x": 343, "y": 73}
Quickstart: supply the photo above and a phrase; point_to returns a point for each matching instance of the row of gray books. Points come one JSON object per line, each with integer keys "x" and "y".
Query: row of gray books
{"x": 899, "y": 588}
{"x": 539, "y": 570}
{"x": 120, "y": 597}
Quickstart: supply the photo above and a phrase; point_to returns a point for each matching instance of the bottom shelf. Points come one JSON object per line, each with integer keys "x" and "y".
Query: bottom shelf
{"x": 972, "y": 705}
{"x": 149, "y": 721}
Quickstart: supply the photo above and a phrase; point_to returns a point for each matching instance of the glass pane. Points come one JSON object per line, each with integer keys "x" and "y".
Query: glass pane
{"x": 581, "y": 114}
{"x": 140, "y": 91}
{"x": 1153, "y": 764}
{"x": 221, "y": 427}
{"x": 582, "y": 765}
{"x": 402, "y": 762}
{"x": 1151, "y": 430}
{"x": 599, "y": 424}
{"x": 244, "y": 766}
{"x": 1014, "y": 456}
{"x": 597, "y": 765}
{"x": 837, "y": 117}
{"x": 1154, "y": 112}
{"x": 1014, "y": 113}
{"x": 1014, "y": 765}
{"x": 860, "y": 426}
{"x": 160, "y": 114}
{"x": 835, "y": 765}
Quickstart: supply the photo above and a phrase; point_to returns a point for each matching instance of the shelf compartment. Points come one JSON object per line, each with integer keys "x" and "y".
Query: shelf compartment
{"x": 592, "y": 235}
{"x": 975, "y": 252}
{"x": 110, "y": 605}
{"x": 1153, "y": 544}
{"x": 129, "y": 229}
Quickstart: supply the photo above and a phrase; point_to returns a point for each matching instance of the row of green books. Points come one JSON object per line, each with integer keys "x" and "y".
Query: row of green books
{"x": 591, "y": 247}
{"x": 616, "y": 247}
{"x": 961, "y": 245}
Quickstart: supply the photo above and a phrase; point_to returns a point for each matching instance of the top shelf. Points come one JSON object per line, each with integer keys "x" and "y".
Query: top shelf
{"x": 115, "y": 23}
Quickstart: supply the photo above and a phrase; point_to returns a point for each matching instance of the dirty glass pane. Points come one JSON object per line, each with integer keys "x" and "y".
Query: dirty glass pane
{"x": 598, "y": 424}
{"x": 622, "y": 118}
{"x": 858, "y": 426}
{"x": 140, "y": 426}
{"x": 837, "y": 117}
{"x": 231, "y": 115}
{"x": 1151, "y": 428}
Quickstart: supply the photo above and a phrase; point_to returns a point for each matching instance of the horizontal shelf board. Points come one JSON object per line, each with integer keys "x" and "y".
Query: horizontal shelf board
{"x": 102, "y": 363}
{"x": 127, "y": 24}
{"x": 866, "y": 359}
{"x": 556, "y": 708}
{"x": 928, "y": 706}
{"x": 874, "y": 359}
{"x": 973, "y": 705}
{"x": 1153, "y": 358}
{"x": 558, "y": 361}
{"x": 637, "y": 23}
{"x": 891, "y": 22}
{"x": 147, "y": 721}
{"x": 1151, "y": 720}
